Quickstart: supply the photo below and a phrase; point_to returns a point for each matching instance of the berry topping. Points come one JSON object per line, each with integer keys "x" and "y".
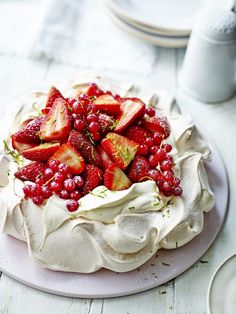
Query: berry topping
{"x": 139, "y": 169}
{"x": 137, "y": 134}
{"x": 68, "y": 155}
{"x": 115, "y": 179}
{"x": 160, "y": 125}
{"x": 120, "y": 149}
{"x": 31, "y": 171}
{"x": 108, "y": 104}
{"x": 30, "y": 133}
{"x": 92, "y": 178}
{"x": 72, "y": 205}
{"x": 42, "y": 152}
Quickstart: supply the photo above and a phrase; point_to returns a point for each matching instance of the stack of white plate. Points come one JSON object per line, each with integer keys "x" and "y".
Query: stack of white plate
{"x": 166, "y": 23}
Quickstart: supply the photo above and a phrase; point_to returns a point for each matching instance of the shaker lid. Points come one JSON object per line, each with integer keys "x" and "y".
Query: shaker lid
{"x": 218, "y": 25}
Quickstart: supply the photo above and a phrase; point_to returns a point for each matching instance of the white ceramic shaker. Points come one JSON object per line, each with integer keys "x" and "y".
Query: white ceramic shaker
{"x": 208, "y": 72}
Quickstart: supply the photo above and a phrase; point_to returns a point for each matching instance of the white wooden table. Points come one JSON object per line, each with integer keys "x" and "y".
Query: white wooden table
{"x": 185, "y": 294}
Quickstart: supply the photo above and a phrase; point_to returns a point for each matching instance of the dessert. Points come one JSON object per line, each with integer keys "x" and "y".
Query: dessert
{"x": 102, "y": 175}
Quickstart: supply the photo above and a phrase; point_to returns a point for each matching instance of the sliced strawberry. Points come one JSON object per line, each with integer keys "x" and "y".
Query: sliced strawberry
{"x": 31, "y": 172}
{"x": 53, "y": 94}
{"x": 157, "y": 124}
{"x": 108, "y": 104}
{"x": 41, "y": 152}
{"x": 106, "y": 122}
{"x": 139, "y": 169}
{"x": 30, "y": 133}
{"x": 131, "y": 110}
{"x": 57, "y": 123}
{"x": 45, "y": 111}
{"x": 20, "y": 146}
{"x": 115, "y": 179}
{"x": 92, "y": 178}
{"x": 106, "y": 160}
{"x": 68, "y": 155}
{"x": 137, "y": 134}
{"x": 120, "y": 149}
{"x": 85, "y": 147}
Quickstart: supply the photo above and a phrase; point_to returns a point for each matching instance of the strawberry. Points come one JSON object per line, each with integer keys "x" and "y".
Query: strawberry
{"x": 139, "y": 169}
{"x": 157, "y": 124}
{"x": 68, "y": 155}
{"x": 131, "y": 110}
{"x": 30, "y": 133}
{"x": 120, "y": 149}
{"x": 57, "y": 124}
{"x": 20, "y": 146}
{"x": 106, "y": 160}
{"x": 85, "y": 147}
{"x": 108, "y": 104}
{"x": 105, "y": 122}
{"x": 115, "y": 179}
{"x": 92, "y": 178}
{"x": 137, "y": 134}
{"x": 41, "y": 152}
{"x": 31, "y": 171}
{"x": 53, "y": 94}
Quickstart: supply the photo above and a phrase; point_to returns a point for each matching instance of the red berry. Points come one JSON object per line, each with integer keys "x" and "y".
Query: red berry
{"x": 167, "y": 147}
{"x": 168, "y": 176}
{"x": 79, "y": 125}
{"x": 72, "y": 205}
{"x": 58, "y": 177}
{"x": 77, "y": 108}
{"x": 69, "y": 185}
{"x": 143, "y": 149}
{"x": 160, "y": 183}
{"x": 64, "y": 194}
{"x": 166, "y": 165}
{"x": 149, "y": 141}
{"x": 154, "y": 149}
{"x": 166, "y": 186}
{"x": 70, "y": 101}
{"x": 27, "y": 189}
{"x": 177, "y": 191}
{"x": 63, "y": 168}
{"x": 153, "y": 160}
{"x": 46, "y": 192}
{"x": 53, "y": 164}
{"x": 79, "y": 181}
{"x": 48, "y": 173}
{"x": 96, "y": 136}
{"x": 150, "y": 112}
{"x": 94, "y": 127}
{"x": 168, "y": 157}
{"x": 157, "y": 138}
{"x": 38, "y": 200}
{"x": 75, "y": 195}
{"x": 36, "y": 190}
{"x": 40, "y": 180}
{"x": 154, "y": 174}
{"x": 176, "y": 181}
{"x": 55, "y": 186}
{"x": 161, "y": 154}
{"x": 91, "y": 117}
{"x": 84, "y": 99}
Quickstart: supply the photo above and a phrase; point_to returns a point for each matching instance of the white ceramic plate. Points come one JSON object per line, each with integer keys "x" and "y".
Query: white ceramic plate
{"x": 159, "y": 40}
{"x": 167, "y": 15}
{"x": 222, "y": 290}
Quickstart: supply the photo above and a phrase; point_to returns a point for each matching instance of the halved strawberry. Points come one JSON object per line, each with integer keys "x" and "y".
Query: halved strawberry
{"x": 57, "y": 124}
{"x": 139, "y": 169}
{"x": 115, "y": 179}
{"x": 20, "y": 146}
{"x": 106, "y": 160}
{"x": 137, "y": 133}
{"x": 105, "y": 122}
{"x": 85, "y": 147}
{"x": 30, "y": 133}
{"x": 157, "y": 124}
{"x": 53, "y": 94}
{"x": 108, "y": 104}
{"x": 120, "y": 149}
{"x": 41, "y": 152}
{"x": 131, "y": 110}
{"x": 31, "y": 171}
{"x": 92, "y": 178}
{"x": 68, "y": 155}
